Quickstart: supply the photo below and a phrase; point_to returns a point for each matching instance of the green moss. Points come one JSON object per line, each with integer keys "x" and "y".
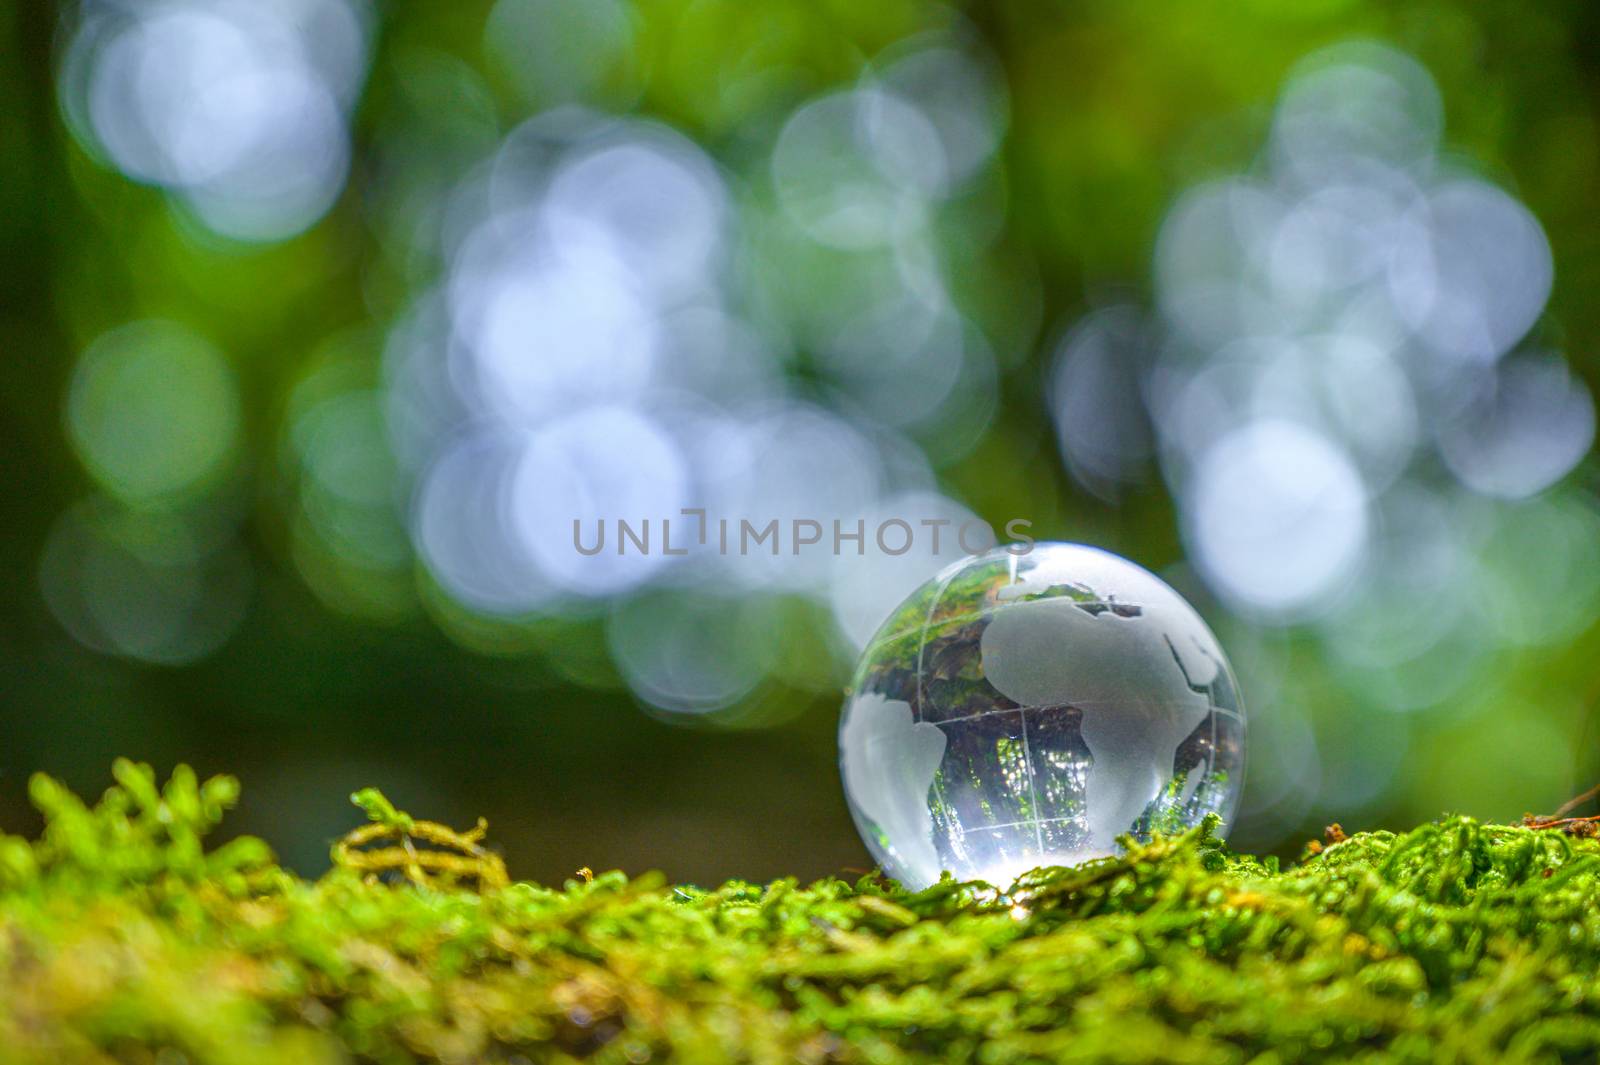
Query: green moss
{"x": 123, "y": 939}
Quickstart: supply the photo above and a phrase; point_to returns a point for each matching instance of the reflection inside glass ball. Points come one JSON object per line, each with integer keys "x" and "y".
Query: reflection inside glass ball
{"x": 1026, "y": 710}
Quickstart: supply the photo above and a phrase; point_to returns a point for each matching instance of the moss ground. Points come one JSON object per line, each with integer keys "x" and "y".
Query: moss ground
{"x": 123, "y": 939}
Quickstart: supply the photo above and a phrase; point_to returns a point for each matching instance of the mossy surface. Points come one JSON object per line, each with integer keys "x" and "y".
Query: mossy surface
{"x": 123, "y": 939}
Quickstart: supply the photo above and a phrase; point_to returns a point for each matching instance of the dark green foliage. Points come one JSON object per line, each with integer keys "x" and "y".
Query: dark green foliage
{"x": 121, "y": 939}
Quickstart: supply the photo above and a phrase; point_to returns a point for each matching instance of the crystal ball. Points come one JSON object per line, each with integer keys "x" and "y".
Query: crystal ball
{"x": 1026, "y": 709}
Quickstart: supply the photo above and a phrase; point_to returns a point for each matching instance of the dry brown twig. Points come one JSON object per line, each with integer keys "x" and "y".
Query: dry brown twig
{"x": 1586, "y": 826}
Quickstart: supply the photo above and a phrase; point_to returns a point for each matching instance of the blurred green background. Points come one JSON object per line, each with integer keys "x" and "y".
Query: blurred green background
{"x": 323, "y": 319}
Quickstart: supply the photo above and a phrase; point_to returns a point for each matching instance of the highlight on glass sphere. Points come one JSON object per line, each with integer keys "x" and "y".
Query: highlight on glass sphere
{"x": 1025, "y": 710}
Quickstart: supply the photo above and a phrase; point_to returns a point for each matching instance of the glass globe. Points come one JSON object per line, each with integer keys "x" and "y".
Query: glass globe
{"x": 1021, "y": 710}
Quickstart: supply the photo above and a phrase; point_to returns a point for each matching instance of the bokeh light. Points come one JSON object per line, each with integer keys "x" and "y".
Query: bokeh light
{"x": 604, "y": 360}
{"x": 156, "y": 587}
{"x": 153, "y": 411}
{"x": 238, "y": 108}
{"x": 1277, "y": 518}
{"x": 1342, "y": 378}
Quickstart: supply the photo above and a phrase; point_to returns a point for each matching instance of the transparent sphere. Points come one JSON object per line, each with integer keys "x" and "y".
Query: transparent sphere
{"x": 1021, "y": 710}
